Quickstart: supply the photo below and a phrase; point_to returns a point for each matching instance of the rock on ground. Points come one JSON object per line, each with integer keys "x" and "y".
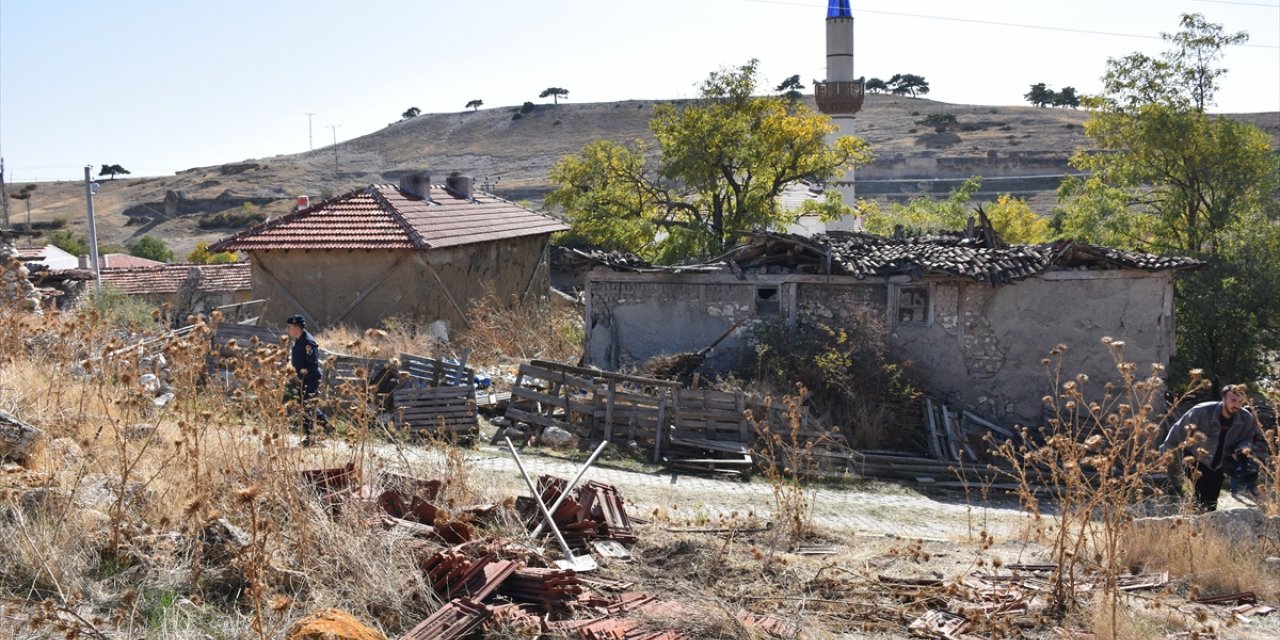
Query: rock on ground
{"x": 18, "y": 439}
{"x": 332, "y": 624}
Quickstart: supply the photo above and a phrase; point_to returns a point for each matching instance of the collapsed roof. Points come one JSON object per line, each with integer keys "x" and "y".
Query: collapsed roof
{"x": 863, "y": 255}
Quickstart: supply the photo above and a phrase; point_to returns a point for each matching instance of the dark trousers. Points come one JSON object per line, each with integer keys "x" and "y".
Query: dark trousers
{"x": 307, "y": 392}
{"x": 1208, "y": 486}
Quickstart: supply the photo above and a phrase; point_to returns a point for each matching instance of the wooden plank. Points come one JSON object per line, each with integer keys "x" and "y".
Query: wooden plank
{"x": 609, "y": 399}
{"x": 661, "y": 431}
{"x": 596, "y": 373}
{"x": 713, "y": 445}
{"x": 1006, "y": 432}
{"x": 931, "y": 430}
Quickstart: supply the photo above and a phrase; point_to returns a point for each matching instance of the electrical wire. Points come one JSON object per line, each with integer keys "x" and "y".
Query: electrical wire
{"x": 998, "y": 23}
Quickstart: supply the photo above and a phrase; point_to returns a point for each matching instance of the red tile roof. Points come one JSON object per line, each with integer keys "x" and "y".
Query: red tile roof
{"x": 167, "y": 278}
{"x": 383, "y": 217}
{"x": 125, "y": 261}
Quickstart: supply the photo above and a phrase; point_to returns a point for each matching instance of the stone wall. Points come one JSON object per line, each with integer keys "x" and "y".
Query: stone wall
{"x": 634, "y": 317}
{"x": 16, "y": 289}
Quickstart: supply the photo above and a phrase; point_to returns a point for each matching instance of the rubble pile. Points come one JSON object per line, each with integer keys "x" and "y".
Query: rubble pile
{"x": 490, "y": 583}
{"x": 16, "y": 290}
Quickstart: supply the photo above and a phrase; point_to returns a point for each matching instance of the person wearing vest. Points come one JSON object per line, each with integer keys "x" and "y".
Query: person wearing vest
{"x": 1213, "y": 434}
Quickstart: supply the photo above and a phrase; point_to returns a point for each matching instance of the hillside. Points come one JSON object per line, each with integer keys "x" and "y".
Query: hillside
{"x": 1021, "y": 150}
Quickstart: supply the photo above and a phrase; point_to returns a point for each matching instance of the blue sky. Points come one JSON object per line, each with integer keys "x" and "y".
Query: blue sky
{"x": 160, "y": 86}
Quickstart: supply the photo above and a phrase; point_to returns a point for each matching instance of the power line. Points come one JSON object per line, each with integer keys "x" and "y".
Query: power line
{"x": 1244, "y": 4}
{"x": 998, "y": 23}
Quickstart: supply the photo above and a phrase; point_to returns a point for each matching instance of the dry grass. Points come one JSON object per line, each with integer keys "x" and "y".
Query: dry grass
{"x": 1205, "y": 558}
{"x": 502, "y": 331}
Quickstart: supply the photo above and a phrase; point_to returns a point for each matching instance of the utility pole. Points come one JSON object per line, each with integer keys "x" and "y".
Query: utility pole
{"x": 93, "y": 230}
{"x": 334, "y": 128}
{"x": 310, "y": 143}
{"x": 4, "y": 196}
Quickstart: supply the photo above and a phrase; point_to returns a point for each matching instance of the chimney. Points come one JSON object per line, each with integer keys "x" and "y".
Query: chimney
{"x": 416, "y": 184}
{"x": 459, "y": 185}
{"x": 303, "y": 202}
{"x": 84, "y": 262}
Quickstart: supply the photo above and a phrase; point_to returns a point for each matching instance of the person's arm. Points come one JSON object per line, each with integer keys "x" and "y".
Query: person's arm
{"x": 1245, "y": 441}
{"x": 1177, "y": 433}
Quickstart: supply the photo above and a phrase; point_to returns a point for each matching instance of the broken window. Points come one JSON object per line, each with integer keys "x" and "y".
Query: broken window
{"x": 767, "y": 301}
{"x": 913, "y": 305}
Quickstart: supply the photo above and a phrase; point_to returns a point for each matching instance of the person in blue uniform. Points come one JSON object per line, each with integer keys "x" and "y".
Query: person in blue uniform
{"x": 305, "y": 358}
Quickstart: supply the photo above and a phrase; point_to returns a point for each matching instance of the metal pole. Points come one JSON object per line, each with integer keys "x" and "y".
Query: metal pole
{"x": 537, "y": 497}
{"x": 334, "y": 129}
{"x": 310, "y": 141}
{"x": 569, "y": 487}
{"x": 93, "y": 231}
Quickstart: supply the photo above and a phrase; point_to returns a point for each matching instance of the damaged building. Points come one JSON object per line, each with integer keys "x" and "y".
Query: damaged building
{"x": 974, "y": 316}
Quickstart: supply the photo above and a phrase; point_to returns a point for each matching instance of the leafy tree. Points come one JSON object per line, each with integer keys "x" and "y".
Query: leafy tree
{"x": 112, "y": 170}
{"x": 411, "y": 112}
{"x": 908, "y": 84}
{"x": 475, "y": 105}
{"x": 1014, "y": 220}
{"x": 925, "y": 214}
{"x": 1192, "y": 184}
{"x": 1066, "y": 97}
{"x": 201, "y": 255}
{"x": 790, "y": 88}
{"x": 939, "y": 121}
{"x": 1039, "y": 95}
{"x": 876, "y": 85}
{"x": 67, "y": 241}
{"x": 151, "y": 248}
{"x": 555, "y": 92}
{"x": 719, "y": 168}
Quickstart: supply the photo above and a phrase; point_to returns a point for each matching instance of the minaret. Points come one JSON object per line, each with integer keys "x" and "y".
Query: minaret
{"x": 840, "y": 96}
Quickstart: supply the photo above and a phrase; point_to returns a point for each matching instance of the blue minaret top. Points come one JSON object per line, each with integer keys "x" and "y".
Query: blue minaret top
{"x": 838, "y": 9}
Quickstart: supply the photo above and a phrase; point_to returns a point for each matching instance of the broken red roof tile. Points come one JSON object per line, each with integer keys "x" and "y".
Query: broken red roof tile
{"x": 166, "y": 279}
{"x": 384, "y": 217}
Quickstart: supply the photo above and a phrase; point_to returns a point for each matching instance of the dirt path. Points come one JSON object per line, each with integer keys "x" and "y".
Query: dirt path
{"x": 872, "y": 508}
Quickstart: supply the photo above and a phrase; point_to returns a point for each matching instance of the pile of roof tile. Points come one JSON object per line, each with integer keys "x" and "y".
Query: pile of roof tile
{"x": 543, "y": 586}
{"x": 594, "y": 511}
{"x": 487, "y": 583}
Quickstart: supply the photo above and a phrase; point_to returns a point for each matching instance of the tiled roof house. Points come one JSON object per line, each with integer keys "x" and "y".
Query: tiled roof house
{"x": 415, "y": 250}
{"x": 974, "y": 315}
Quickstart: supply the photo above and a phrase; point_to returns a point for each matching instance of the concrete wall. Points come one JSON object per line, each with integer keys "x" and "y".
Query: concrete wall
{"x": 323, "y": 285}
{"x": 981, "y": 346}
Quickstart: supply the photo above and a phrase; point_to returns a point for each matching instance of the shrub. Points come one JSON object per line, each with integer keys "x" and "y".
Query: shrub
{"x": 245, "y": 216}
{"x": 151, "y": 248}
{"x": 850, "y": 373}
{"x": 67, "y": 241}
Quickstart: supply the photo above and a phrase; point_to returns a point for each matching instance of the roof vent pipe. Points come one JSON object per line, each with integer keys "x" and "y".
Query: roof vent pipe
{"x": 459, "y": 184}
{"x": 416, "y": 184}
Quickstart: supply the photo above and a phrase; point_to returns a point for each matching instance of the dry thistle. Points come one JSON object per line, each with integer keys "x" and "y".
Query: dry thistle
{"x": 248, "y": 494}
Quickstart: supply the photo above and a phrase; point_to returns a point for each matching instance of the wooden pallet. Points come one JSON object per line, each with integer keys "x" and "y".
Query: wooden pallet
{"x": 431, "y": 372}
{"x": 437, "y": 410}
